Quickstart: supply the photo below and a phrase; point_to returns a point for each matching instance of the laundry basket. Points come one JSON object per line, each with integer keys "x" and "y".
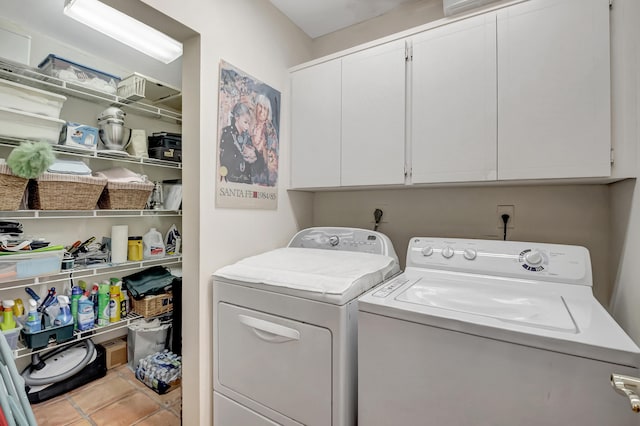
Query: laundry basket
{"x": 128, "y": 196}
{"x": 57, "y": 191}
{"x": 11, "y": 188}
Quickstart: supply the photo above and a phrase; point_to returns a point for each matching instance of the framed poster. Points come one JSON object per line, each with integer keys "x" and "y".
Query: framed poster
{"x": 248, "y": 141}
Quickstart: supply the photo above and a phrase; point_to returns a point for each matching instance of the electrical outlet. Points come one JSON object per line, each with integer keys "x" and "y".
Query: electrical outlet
{"x": 506, "y": 209}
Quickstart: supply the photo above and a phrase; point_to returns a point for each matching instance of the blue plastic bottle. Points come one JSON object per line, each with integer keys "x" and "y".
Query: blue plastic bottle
{"x": 85, "y": 314}
{"x": 33, "y": 317}
{"x": 64, "y": 317}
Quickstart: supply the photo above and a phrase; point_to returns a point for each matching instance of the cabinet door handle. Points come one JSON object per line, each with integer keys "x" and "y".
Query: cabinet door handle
{"x": 269, "y": 331}
{"x": 629, "y": 387}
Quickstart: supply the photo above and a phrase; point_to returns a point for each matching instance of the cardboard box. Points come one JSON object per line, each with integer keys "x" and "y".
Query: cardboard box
{"x": 79, "y": 136}
{"x": 116, "y": 352}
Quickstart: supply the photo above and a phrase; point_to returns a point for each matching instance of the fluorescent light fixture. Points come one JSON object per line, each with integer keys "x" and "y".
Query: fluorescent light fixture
{"x": 124, "y": 28}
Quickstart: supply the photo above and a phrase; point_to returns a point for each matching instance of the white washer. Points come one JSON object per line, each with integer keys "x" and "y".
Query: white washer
{"x": 285, "y": 328}
{"x": 479, "y": 332}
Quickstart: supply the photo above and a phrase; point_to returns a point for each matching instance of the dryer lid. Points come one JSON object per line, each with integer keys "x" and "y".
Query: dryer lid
{"x": 502, "y": 301}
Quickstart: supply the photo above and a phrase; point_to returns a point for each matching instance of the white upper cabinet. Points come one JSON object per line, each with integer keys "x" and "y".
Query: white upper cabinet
{"x": 554, "y": 90}
{"x": 373, "y": 116}
{"x": 315, "y": 126}
{"x": 453, "y": 114}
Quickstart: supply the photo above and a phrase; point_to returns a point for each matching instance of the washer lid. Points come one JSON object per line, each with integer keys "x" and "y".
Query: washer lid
{"x": 499, "y": 300}
{"x": 313, "y": 270}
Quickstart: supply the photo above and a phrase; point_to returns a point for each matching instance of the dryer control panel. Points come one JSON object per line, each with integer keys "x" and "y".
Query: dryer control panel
{"x": 514, "y": 259}
{"x": 347, "y": 239}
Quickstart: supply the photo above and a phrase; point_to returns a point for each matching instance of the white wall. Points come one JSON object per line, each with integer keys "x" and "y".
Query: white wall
{"x": 255, "y": 37}
{"x": 625, "y": 196}
{"x": 577, "y": 214}
{"x": 408, "y": 15}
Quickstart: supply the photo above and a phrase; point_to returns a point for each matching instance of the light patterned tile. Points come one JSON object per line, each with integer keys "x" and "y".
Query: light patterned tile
{"x": 161, "y": 418}
{"x": 126, "y": 411}
{"x": 81, "y": 422}
{"x": 105, "y": 392}
{"x": 56, "y": 413}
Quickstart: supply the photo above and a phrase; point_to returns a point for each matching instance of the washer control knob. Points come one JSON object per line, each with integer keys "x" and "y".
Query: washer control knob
{"x": 427, "y": 251}
{"x": 334, "y": 240}
{"x": 447, "y": 252}
{"x": 470, "y": 254}
{"x": 534, "y": 257}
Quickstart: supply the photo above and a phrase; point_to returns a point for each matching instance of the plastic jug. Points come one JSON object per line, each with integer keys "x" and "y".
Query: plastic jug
{"x": 134, "y": 249}
{"x": 64, "y": 316}
{"x": 153, "y": 244}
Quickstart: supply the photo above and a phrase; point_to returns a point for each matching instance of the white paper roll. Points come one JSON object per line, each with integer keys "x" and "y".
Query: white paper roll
{"x": 119, "y": 241}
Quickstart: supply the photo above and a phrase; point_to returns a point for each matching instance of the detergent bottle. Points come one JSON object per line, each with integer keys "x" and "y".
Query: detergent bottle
{"x": 64, "y": 316}
{"x": 33, "y": 317}
{"x": 85, "y": 314}
{"x": 153, "y": 246}
{"x": 8, "y": 322}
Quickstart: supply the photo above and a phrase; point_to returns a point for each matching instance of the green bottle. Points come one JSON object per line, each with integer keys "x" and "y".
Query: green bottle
{"x": 103, "y": 304}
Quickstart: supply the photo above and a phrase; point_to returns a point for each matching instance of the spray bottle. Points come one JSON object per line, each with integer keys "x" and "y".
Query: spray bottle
{"x": 8, "y": 322}
{"x": 64, "y": 315}
{"x": 33, "y": 317}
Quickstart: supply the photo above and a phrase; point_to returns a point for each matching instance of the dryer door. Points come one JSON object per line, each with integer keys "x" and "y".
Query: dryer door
{"x": 282, "y": 364}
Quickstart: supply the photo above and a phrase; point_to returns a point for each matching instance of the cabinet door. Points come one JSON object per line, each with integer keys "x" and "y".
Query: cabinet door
{"x": 554, "y": 89}
{"x": 315, "y": 126}
{"x": 373, "y": 116}
{"x": 453, "y": 116}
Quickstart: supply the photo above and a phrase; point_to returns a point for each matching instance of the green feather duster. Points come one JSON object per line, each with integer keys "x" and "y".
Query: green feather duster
{"x": 31, "y": 159}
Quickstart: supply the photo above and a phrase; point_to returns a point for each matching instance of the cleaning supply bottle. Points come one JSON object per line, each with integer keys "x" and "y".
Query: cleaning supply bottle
{"x": 153, "y": 246}
{"x": 85, "y": 314}
{"x": 18, "y": 308}
{"x": 8, "y": 322}
{"x": 76, "y": 292}
{"x": 103, "y": 304}
{"x": 64, "y": 315}
{"x": 33, "y": 317}
{"x": 114, "y": 302}
{"x": 94, "y": 299}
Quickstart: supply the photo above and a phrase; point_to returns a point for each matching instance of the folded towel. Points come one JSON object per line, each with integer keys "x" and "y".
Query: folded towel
{"x": 70, "y": 167}
{"x": 122, "y": 175}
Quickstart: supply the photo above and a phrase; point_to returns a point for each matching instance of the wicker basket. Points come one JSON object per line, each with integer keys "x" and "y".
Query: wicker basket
{"x": 151, "y": 306}
{"x": 11, "y": 189}
{"x": 128, "y": 196}
{"x": 56, "y": 191}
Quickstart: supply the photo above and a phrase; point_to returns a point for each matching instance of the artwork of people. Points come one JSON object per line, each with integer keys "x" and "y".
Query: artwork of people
{"x": 248, "y": 150}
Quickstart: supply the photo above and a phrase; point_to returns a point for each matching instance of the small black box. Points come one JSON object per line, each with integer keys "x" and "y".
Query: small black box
{"x": 168, "y": 154}
{"x": 165, "y": 140}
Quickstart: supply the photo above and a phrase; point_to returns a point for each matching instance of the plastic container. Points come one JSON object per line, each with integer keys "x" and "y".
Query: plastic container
{"x": 12, "y": 336}
{"x": 25, "y": 125}
{"x": 28, "y": 265}
{"x": 103, "y": 304}
{"x": 28, "y": 99}
{"x": 76, "y": 293}
{"x": 73, "y": 72}
{"x": 153, "y": 245}
{"x": 41, "y": 339}
{"x": 86, "y": 319}
{"x": 8, "y": 321}
{"x": 115, "y": 296}
{"x": 134, "y": 249}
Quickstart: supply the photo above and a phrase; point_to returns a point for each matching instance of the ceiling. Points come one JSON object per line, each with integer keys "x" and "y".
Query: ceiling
{"x": 320, "y": 17}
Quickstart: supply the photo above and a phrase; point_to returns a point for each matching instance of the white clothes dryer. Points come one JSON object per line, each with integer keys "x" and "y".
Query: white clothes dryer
{"x": 479, "y": 332}
{"x": 285, "y": 328}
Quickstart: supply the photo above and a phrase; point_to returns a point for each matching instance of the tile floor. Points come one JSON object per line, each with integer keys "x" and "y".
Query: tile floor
{"x": 118, "y": 399}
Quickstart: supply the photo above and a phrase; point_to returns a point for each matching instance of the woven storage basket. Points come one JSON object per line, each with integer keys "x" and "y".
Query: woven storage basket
{"x": 128, "y": 196}
{"x": 151, "y": 306}
{"x": 56, "y": 191}
{"x": 11, "y": 189}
